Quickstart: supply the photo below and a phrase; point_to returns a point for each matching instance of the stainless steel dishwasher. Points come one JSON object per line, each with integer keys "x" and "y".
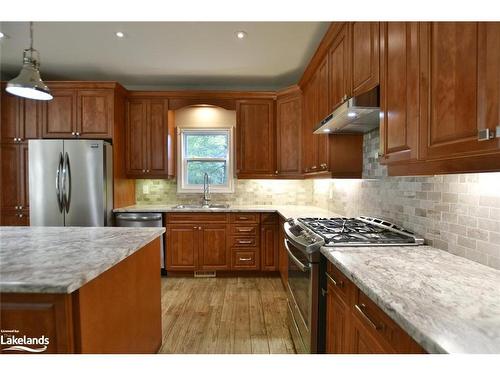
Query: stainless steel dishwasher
{"x": 144, "y": 219}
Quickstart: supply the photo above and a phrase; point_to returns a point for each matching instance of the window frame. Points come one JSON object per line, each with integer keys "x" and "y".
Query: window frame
{"x": 182, "y": 160}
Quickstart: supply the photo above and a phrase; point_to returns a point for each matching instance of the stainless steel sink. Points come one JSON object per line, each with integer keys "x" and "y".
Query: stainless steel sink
{"x": 200, "y": 207}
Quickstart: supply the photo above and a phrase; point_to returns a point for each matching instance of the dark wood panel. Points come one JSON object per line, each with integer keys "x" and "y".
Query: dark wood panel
{"x": 245, "y": 259}
{"x": 346, "y": 155}
{"x": 157, "y": 146}
{"x": 309, "y": 116}
{"x": 214, "y": 250}
{"x": 399, "y": 91}
{"x": 10, "y": 113}
{"x": 324, "y": 109}
{"x": 136, "y": 128}
{"x": 337, "y": 323}
{"x": 11, "y": 176}
{"x": 15, "y": 218}
{"x": 30, "y": 126}
{"x": 245, "y": 230}
{"x": 245, "y": 217}
{"x": 239, "y": 241}
{"x": 269, "y": 247}
{"x": 339, "y": 68}
{"x": 194, "y": 217}
{"x": 95, "y": 113}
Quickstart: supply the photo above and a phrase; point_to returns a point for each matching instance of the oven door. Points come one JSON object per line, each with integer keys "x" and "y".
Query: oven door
{"x": 301, "y": 276}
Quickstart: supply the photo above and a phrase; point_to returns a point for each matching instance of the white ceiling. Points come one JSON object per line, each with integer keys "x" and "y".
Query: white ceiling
{"x": 167, "y": 55}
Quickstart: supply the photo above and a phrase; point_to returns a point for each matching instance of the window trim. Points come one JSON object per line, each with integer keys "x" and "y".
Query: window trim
{"x": 182, "y": 185}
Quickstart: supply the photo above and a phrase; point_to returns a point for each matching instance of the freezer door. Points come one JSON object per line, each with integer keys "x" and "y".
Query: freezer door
{"x": 45, "y": 168}
{"x": 84, "y": 183}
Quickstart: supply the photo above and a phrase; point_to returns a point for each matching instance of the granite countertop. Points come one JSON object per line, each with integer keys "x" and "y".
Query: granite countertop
{"x": 62, "y": 259}
{"x": 446, "y": 303}
{"x": 286, "y": 211}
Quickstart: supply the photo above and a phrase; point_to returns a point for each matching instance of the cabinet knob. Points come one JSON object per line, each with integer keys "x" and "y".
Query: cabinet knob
{"x": 324, "y": 165}
{"x": 20, "y": 215}
{"x": 143, "y": 171}
{"x": 17, "y": 207}
{"x": 195, "y": 227}
{"x": 147, "y": 170}
{"x": 20, "y": 207}
{"x": 19, "y": 139}
{"x": 77, "y": 134}
{"x": 73, "y": 133}
{"x": 275, "y": 172}
{"x": 199, "y": 228}
{"x": 314, "y": 167}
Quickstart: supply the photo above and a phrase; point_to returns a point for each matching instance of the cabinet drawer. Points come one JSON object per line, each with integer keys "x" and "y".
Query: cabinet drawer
{"x": 245, "y": 217}
{"x": 340, "y": 284}
{"x": 269, "y": 218}
{"x": 382, "y": 326}
{"x": 190, "y": 217}
{"x": 244, "y": 230}
{"x": 245, "y": 259}
{"x": 243, "y": 241}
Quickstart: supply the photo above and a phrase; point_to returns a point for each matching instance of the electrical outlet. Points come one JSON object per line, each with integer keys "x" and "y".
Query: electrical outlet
{"x": 145, "y": 189}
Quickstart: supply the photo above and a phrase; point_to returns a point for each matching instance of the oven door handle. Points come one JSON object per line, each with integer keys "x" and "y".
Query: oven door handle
{"x": 298, "y": 263}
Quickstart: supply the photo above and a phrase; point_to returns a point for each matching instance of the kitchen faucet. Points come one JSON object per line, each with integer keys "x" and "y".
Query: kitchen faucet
{"x": 206, "y": 192}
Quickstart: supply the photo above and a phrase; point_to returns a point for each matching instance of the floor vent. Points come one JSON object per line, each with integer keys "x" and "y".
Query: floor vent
{"x": 205, "y": 274}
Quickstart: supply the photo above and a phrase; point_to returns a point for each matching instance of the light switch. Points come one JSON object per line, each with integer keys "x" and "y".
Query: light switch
{"x": 145, "y": 189}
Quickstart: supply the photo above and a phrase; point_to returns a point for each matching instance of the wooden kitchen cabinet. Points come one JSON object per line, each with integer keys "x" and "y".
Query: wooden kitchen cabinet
{"x": 356, "y": 325}
{"x": 289, "y": 133}
{"x": 15, "y": 218}
{"x": 214, "y": 252}
{"x": 269, "y": 247}
{"x": 15, "y": 181}
{"x": 339, "y": 89}
{"x": 399, "y": 91}
{"x": 182, "y": 247}
{"x": 364, "y": 56}
{"x": 147, "y": 138}
{"x": 255, "y": 138}
{"x": 21, "y": 119}
{"x": 81, "y": 113}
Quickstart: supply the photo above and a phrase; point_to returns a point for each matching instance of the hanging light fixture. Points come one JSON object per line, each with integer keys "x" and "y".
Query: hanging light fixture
{"x": 28, "y": 83}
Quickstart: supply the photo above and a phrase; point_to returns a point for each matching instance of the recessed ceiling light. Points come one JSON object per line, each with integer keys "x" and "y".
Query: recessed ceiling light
{"x": 241, "y": 34}
{"x": 119, "y": 34}
{"x": 2, "y": 35}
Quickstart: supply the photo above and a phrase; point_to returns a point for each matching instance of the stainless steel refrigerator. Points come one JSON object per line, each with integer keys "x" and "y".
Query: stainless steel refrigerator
{"x": 70, "y": 183}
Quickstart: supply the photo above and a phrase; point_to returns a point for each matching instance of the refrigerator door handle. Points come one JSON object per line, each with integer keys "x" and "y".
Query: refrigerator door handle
{"x": 58, "y": 183}
{"x": 66, "y": 181}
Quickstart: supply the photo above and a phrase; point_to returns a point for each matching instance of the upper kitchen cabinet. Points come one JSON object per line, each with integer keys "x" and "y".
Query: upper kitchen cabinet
{"x": 77, "y": 111}
{"x": 255, "y": 138}
{"x": 21, "y": 118}
{"x": 288, "y": 132}
{"x": 399, "y": 91}
{"x": 146, "y": 138}
{"x": 339, "y": 68}
{"x": 364, "y": 56}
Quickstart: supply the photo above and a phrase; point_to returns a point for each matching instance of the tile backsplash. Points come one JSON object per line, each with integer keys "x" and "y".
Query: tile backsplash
{"x": 459, "y": 213}
{"x": 258, "y": 192}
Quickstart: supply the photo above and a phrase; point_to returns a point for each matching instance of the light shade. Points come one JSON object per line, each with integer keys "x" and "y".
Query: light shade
{"x": 29, "y": 84}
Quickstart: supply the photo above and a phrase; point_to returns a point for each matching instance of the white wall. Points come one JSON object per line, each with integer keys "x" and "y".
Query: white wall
{"x": 204, "y": 116}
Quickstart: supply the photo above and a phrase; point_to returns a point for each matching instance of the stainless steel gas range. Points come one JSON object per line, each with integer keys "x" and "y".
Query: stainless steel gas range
{"x": 303, "y": 239}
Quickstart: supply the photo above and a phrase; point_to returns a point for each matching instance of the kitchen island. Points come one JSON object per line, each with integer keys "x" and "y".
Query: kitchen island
{"x": 80, "y": 290}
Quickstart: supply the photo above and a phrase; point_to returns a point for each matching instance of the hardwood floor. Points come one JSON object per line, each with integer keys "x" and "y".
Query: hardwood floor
{"x": 224, "y": 315}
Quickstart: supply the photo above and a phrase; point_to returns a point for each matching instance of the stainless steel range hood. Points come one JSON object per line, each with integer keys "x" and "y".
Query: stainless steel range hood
{"x": 359, "y": 114}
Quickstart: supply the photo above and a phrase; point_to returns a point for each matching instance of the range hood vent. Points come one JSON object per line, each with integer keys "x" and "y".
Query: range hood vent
{"x": 359, "y": 114}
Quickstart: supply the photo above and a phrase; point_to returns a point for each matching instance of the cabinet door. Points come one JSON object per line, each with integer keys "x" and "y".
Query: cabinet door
{"x": 157, "y": 139}
{"x": 339, "y": 69}
{"x": 182, "y": 247}
{"x": 324, "y": 110}
{"x": 337, "y": 314}
{"x": 11, "y": 171}
{"x": 32, "y": 112}
{"x": 10, "y": 111}
{"x": 450, "y": 117}
{"x": 255, "y": 142}
{"x": 15, "y": 218}
{"x": 23, "y": 176}
{"x": 288, "y": 129}
{"x": 95, "y": 113}
{"x": 309, "y": 140}
{"x": 362, "y": 342}
{"x": 60, "y": 115}
{"x": 269, "y": 247}
{"x": 136, "y": 137}
{"x": 214, "y": 253}
{"x": 364, "y": 62}
{"x": 399, "y": 84}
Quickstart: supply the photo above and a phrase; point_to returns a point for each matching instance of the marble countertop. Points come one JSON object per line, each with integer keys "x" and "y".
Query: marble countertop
{"x": 448, "y": 304}
{"x": 62, "y": 259}
{"x": 286, "y": 211}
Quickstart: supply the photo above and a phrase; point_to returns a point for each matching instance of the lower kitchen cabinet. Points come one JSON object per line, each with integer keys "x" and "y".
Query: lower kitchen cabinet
{"x": 213, "y": 250}
{"x": 182, "y": 247}
{"x": 269, "y": 247}
{"x": 15, "y": 218}
{"x": 356, "y": 325}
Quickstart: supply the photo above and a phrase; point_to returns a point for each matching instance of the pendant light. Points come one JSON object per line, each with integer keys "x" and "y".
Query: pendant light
{"x": 28, "y": 83}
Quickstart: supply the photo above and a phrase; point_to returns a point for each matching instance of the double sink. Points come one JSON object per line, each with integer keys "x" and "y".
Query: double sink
{"x": 212, "y": 206}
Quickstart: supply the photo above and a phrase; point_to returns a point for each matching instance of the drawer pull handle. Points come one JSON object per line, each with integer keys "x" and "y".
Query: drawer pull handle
{"x": 245, "y": 259}
{"x": 374, "y": 325}
{"x": 340, "y": 284}
{"x": 245, "y": 241}
{"x": 245, "y": 230}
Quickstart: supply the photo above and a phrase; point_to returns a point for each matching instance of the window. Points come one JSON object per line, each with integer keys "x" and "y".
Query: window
{"x": 205, "y": 151}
